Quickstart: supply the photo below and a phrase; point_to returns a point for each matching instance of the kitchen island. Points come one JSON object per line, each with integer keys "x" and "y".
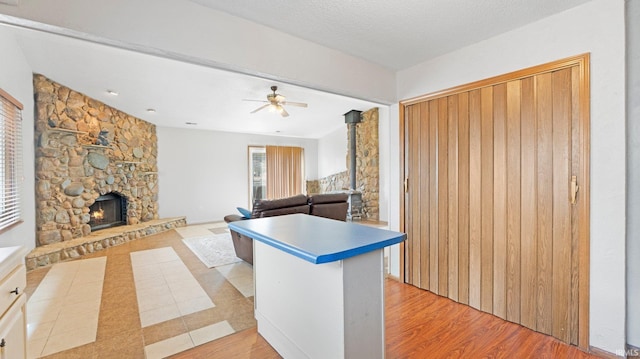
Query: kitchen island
{"x": 319, "y": 285}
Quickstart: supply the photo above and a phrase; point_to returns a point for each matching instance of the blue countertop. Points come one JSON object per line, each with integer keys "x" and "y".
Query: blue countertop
{"x": 316, "y": 239}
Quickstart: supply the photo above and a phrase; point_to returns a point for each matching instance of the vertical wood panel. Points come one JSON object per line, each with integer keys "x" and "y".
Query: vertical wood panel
{"x": 489, "y": 217}
{"x": 513, "y": 201}
{"x": 486, "y": 263}
{"x": 453, "y": 197}
{"x": 475, "y": 200}
{"x": 405, "y": 221}
{"x": 463, "y": 197}
{"x": 433, "y": 196}
{"x": 409, "y": 216}
{"x": 425, "y": 169}
{"x": 583, "y": 204}
{"x": 415, "y": 195}
{"x": 561, "y": 207}
{"x": 544, "y": 108}
{"x": 528, "y": 212}
{"x": 443, "y": 197}
{"x": 500, "y": 200}
{"x": 575, "y": 238}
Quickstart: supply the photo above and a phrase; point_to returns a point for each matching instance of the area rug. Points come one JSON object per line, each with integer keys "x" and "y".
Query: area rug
{"x": 213, "y": 250}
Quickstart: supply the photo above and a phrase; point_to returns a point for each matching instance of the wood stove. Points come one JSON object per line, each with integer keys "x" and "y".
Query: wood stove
{"x": 109, "y": 210}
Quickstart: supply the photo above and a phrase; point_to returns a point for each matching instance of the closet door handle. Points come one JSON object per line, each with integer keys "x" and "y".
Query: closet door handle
{"x": 16, "y": 292}
{"x": 574, "y": 189}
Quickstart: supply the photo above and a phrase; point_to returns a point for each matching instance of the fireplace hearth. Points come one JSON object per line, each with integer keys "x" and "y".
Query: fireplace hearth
{"x": 109, "y": 210}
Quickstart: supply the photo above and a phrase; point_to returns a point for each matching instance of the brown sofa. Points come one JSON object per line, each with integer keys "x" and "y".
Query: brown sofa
{"x": 329, "y": 205}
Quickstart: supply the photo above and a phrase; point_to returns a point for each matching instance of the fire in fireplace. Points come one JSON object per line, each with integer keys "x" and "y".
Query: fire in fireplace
{"x": 109, "y": 210}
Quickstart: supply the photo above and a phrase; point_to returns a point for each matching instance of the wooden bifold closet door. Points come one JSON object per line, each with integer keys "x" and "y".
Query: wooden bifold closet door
{"x": 496, "y": 196}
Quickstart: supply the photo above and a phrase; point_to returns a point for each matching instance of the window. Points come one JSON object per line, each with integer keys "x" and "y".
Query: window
{"x": 258, "y": 177}
{"x": 10, "y": 160}
{"x": 276, "y": 172}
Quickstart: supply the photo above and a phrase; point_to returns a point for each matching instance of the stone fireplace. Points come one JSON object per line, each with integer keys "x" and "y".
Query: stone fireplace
{"x": 92, "y": 162}
{"x": 109, "y": 210}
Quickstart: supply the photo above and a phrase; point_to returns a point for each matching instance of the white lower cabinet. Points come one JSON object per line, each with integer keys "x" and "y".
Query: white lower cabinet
{"x": 13, "y": 341}
{"x": 13, "y": 319}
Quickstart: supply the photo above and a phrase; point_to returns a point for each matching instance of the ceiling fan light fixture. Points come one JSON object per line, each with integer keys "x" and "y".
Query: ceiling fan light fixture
{"x": 276, "y": 103}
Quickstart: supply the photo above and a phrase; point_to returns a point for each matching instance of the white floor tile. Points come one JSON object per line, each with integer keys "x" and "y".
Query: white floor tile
{"x": 68, "y": 340}
{"x": 177, "y": 292}
{"x": 168, "y": 347}
{"x": 240, "y": 275}
{"x": 148, "y": 301}
{"x": 63, "y": 311}
{"x": 39, "y": 330}
{"x": 35, "y": 347}
{"x": 195, "y": 305}
{"x": 211, "y": 332}
{"x": 238, "y": 269}
{"x": 159, "y": 315}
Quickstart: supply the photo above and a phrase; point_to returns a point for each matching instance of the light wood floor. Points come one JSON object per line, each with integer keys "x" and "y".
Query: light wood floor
{"x": 420, "y": 324}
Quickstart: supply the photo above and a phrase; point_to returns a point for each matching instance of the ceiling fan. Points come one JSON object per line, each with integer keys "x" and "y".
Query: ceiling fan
{"x": 275, "y": 102}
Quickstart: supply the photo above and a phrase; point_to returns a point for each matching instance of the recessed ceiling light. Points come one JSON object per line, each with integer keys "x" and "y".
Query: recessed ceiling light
{"x": 191, "y": 123}
{"x": 112, "y": 92}
{"x": 151, "y": 110}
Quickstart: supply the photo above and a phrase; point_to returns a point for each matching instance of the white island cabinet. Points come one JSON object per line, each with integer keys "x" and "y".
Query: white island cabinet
{"x": 319, "y": 285}
{"x": 13, "y": 324}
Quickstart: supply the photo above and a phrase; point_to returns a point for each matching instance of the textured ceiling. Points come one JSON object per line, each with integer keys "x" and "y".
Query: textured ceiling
{"x": 394, "y": 34}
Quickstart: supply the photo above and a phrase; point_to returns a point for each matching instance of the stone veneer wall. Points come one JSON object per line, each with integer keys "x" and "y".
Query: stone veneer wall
{"x": 367, "y": 167}
{"x": 85, "y": 149}
{"x": 367, "y": 163}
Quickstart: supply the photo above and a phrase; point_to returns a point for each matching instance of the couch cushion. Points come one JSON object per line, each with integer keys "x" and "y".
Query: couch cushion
{"x": 336, "y": 210}
{"x": 304, "y": 209}
{"x": 328, "y": 198}
{"x": 265, "y": 204}
{"x": 268, "y": 204}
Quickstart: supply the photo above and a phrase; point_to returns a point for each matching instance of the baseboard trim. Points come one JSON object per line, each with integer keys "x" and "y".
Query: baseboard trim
{"x": 390, "y": 276}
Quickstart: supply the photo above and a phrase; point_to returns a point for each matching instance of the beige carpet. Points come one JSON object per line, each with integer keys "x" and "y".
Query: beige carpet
{"x": 213, "y": 250}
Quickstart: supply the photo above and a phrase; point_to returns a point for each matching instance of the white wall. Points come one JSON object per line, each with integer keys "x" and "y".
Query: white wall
{"x": 332, "y": 152}
{"x": 633, "y": 172}
{"x": 383, "y": 148}
{"x": 185, "y": 30}
{"x": 16, "y": 79}
{"x": 204, "y": 174}
{"x": 596, "y": 27}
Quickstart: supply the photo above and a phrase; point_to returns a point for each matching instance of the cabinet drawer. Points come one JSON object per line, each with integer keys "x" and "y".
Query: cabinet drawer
{"x": 16, "y": 279}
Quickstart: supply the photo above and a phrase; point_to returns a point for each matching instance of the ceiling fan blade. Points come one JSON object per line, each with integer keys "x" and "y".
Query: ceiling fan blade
{"x": 298, "y": 104}
{"x": 246, "y": 99}
{"x": 260, "y": 108}
{"x": 284, "y": 112}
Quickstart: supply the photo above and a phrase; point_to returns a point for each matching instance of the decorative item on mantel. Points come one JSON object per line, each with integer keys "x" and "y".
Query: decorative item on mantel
{"x": 102, "y": 139}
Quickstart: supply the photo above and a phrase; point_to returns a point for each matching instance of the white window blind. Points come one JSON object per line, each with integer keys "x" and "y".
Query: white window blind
{"x": 10, "y": 159}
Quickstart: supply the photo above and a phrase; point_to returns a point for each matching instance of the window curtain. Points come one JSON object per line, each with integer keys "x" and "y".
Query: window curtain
{"x": 285, "y": 171}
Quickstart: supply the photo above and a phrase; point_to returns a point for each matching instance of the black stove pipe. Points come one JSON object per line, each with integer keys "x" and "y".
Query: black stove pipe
{"x": 352, "y": 118}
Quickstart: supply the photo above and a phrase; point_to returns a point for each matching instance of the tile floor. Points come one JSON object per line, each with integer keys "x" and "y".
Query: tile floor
{"x": 151, "y": 298}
